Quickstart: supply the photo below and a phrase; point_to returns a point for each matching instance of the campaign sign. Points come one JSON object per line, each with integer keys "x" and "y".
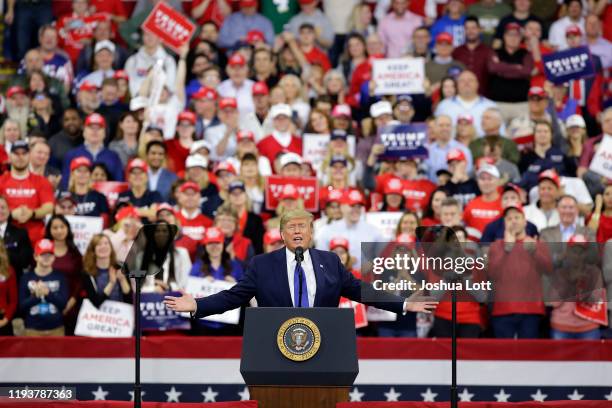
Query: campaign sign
{"x": 595, "y": 311}
{"x": 83, "y": 229}
{"x": 307, "y": 187}
{"x": 404, "y": 141}
{"x": 395, "y": 76}
{"x": 602, "y": 161}
{"x": 361, "y": 318}
{"x": 112, "y": 319}
{"x": 154, "y": 315}
{"x": 202, "y": 287}
{"x": 563, "y": 66}
{"x": 111, "y": 189}
{"x": 315, "y": 147}
{"x": 172, "y": 27}
{"x": 385, "y": 222}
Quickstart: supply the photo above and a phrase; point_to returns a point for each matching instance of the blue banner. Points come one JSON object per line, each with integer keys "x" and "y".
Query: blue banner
{"x": 156, "y": 316}
{"x": 563, "y": 66}
{"x": 404, "y": 141}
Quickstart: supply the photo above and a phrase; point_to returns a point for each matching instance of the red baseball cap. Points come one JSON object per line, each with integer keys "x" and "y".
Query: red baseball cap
{"x": 245, "y": 134}
{"x": 121, "y": 74}
{"x": 573, "y": 30}
{"x": 455, "y": 154}
{"x": 164, "y": 207}
{"x": 354, "y": 197}
{"x": 44, "y": 246}
{"x": 334, "y": 196}
{"x": 272, "y": 236}
{"x": 341, "y": 110}
{"x": 444, "y": 37}
{"x": 237, "y": 59}
{"x": 551, "y": 175}
{"x": 306, "y": 1}
{"x": 289, "y": 192}
{"x": 80, "y": 162}
{"x": 248, "y": 3}
{"x": 213, "y": 235}
{"x": 126, "y": 212}
{"x": 225, "y": 166}
{"x": 518, "y": 207}
{"x": 536, "y": 91}
{"x": 338, "y": 242}
{"x": 136, "y": 164}
{"x": 394, "y": 186}
{"x": 513, "y": 26}
{"x": 95, "y": 119}
{"x": 465, "y": 117}
{"x": 205, "y": 93}
{"x": 88, "y": 86}
{"x": 189, "y": 185}
{"x": 228, "y": 103}
{"x": 188, "y": 116}
{"x": 260, "y": 88}
{"x": 254, "y": 36}
{"x": 15, "y": 90}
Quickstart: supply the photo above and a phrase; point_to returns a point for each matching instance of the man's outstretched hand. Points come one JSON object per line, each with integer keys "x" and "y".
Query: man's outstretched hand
{"x": 185, "y": 303}
{"x": 419, "y": 303}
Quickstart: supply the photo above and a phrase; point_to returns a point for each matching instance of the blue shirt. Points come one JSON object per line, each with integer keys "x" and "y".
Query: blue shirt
{"x": 105, "y": 156}
{"x": 39, "y": 313}
{"x": 445, "y": 24}
{"x": 237, "y": 25}
{"x": 437, "y": 157}
{"x": 495, "y": 230}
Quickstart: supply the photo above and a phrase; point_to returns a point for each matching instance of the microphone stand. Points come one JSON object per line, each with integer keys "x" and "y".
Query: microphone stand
{"x": 139, "y": 277}
{"x": 453, "y": 390}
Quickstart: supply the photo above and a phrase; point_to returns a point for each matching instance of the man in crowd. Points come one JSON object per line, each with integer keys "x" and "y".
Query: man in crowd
{"x": 396, "y": 28}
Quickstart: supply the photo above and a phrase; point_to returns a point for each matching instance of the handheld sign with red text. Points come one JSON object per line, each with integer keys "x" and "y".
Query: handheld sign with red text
{"x": 172, "y": 28}
{"x": 307, "y": 190}
{"x": 399, "y": 76}
{"x": 602, "y": 161}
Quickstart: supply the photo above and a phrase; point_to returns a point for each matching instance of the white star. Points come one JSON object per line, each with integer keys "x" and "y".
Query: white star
{"x": 502, "y": 396}
{"x": 244, "y": 394}
{"x": 575, "y": 396}
{"x": 99, "y": 394}
{"x": 173, "y": 395}
{"x": 392, "y": 395}
{"x": 210, "y": 395}
{"x": 465, "y": 396}
{"x": 538, "y": 396}
{"x": 609, "y": 396}
{"x": 355, "y": 395}
{"x": 142, "y": 393}
{"x": 429, "y": 396}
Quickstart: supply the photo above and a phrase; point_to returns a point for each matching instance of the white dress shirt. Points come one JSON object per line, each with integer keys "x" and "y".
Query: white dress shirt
{"x": 308, "y": 268}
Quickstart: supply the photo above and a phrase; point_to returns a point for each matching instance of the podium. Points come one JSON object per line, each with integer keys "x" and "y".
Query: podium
{"x": 299, "y": 357}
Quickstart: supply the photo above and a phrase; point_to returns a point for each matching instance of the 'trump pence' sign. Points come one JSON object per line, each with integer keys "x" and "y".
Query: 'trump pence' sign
{"x": 307, "y": 187}
{"x": 172, "y": 28}
{"x": 404, "y": 141}
{"x": 397, "y": 76}
{"x": 566, "y": 65}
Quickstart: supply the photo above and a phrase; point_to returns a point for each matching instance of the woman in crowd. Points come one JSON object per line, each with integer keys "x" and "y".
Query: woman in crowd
{"x": 100, "y": 174}
{"x": 8, "y": 293}
{"x": 179, "y": 147}
{"x": 122, "y": 236}
{"x": 335, "y": 86}
{"x": 250, "y": 224}
{"x": 407, "y": 224}
{"x": 576, "y": 136}
{"x": 362, "y": 20}
{"x": 318, "y": 123}
{"x": 43, "y": 117}
{"x": 89, "y": 202}
{"x": 431, "y": 215}
{"x": 216, "y": 264}
{"x": 236, "y": 244}
{"x": 68, "y": 261}
{"x": 254, "y": 182}
{"x": 10, "y": 132}
{"x": 393, "y": 196}
{"x": 294, "y": 92}
{"x": 103, "y": 279}
{"x": 354, "y": 55}
{"x": 126, "y": 142}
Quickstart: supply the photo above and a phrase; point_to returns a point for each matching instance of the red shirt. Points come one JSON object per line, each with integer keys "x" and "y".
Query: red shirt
{"x": 73, "y": 30}
{"x": 604, "y": 232}
{"x": 33, "y": 191}
{"x": 113, "y": 7}
{"x": 316, "y": 56}
{"x": 212, "y": 12}
{"x": 194, "y": 227}
{"x": 476, "y": 60}
{"x": 8, "y": 294}
{"x": 176, "y": 155}
{"x": 478, "y": 213}
{"x": 607, "y": 22}
{"x": 417, "y": 194}
{"x": 269, "y": 147}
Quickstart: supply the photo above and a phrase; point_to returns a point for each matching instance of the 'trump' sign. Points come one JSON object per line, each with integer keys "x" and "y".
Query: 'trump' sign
{"x": 404, "y": 141}
{"x": 566, "y": 65}
{"x": 307, "y": 188}
{"x": 173, "y": 28}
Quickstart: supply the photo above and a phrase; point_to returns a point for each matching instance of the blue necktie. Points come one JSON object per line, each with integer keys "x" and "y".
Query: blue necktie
{"x": 296, "y": 286}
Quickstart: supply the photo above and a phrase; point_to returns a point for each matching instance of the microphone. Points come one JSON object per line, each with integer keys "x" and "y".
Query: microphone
{"x": 299, "y": 254}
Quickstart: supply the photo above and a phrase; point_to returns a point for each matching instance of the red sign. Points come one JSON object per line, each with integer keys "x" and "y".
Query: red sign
{"x": 361, "y": 319}
{"x": 172, "y": 27}
{"x": 597, "y": 311}
{"x": 111, "y": 189}
{"x": 307, "y": 188}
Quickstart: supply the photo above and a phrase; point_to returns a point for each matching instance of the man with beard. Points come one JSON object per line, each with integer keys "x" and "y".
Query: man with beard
{"x": 474, "y": 54}
{"x": 29, "y": 196}
{"x": 68, "y": 138}
{"x": 18, "y": 107}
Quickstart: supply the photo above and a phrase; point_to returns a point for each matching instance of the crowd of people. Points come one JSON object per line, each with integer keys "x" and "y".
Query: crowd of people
{"x": 195, "y": 132}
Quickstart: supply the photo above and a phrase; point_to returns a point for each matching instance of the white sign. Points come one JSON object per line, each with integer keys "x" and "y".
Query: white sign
{"x": 83, "y": 229}
{"x": 395, "y": 76}
{"x": 385, "y": 221}
{"x": 602, "y": 161}
{"x": 112, "y": 319}
{"x": 202, "y": 287}
{"x": 315, "y": 147}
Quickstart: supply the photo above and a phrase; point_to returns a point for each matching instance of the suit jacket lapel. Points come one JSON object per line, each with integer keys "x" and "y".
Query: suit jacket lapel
{"x": 283, "y": 278}
{"x": 319, "y": 275}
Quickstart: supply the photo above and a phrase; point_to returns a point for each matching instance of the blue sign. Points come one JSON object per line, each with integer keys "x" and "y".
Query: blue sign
{"x": 563, "y": 66}
{"x": 404, "y": 141}
{"x": 155, "y": 315}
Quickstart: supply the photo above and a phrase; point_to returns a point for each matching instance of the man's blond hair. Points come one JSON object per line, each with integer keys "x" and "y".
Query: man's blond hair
{"x": 293, "y": 214}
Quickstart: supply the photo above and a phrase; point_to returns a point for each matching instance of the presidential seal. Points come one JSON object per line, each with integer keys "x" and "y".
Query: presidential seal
{"x": 298, "y": 339}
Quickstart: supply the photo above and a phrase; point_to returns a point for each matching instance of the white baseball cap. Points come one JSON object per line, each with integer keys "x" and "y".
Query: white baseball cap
{"x": 104, "y": 45}
{"x": 138, "y": 102}
{"x": 281, "y": 109}
{"x": 200, "y": 144}
{"x": 575, "y": 121}
{"x": 196, "y": 160}
{"x": 381, "y": 108}
{"x": 289, "y": 158}
{"x": 488, "y": 168}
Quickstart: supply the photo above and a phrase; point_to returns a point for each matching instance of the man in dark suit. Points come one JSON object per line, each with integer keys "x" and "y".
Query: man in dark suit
{"x": 16, "y": 241}
{"x": 274, "y": 280}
